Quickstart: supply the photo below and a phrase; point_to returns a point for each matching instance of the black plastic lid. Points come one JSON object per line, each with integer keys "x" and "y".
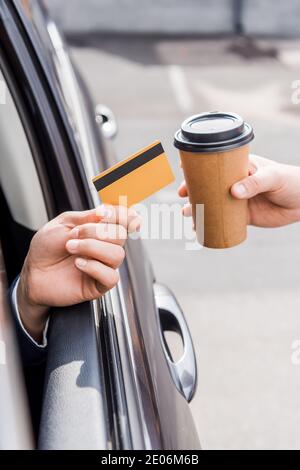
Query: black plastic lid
{"x": 213, "y": 132}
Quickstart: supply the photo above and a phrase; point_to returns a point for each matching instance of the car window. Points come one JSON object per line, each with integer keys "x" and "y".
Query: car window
{"x": 18, "y": 175}
{"x": 69, "y": 85}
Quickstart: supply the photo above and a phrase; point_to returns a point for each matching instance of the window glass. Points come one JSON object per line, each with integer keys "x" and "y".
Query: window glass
{"x": 18, "y": 176}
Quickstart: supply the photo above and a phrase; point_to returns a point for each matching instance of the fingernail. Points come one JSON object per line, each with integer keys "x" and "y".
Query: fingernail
{"x": 187, "y": 210}
{"x": 72, "y": 245}
{"x": 240, "y": 190}
{"x": 104, "y": 211}
{"x": 74, "y": 232}
{"x": 81, "y": 263}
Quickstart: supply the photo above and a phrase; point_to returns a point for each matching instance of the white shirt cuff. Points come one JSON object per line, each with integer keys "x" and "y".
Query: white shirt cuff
{"x": 15, "y": 305}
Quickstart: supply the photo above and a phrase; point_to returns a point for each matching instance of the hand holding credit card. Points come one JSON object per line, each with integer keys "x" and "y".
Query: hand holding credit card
{"x": 135, "y": 178}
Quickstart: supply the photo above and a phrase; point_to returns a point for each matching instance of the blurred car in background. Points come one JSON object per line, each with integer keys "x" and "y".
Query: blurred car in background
{"x": 110, "y": 381}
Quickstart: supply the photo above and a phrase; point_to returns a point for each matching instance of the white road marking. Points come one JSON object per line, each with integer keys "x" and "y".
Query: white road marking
{"x": 290, "y": 57}
{"x": 180, "y": 88}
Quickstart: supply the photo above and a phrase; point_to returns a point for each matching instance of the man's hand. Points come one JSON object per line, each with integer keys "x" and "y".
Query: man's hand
{"x": 72, "y": 259}
{"x": 273, "y": 190}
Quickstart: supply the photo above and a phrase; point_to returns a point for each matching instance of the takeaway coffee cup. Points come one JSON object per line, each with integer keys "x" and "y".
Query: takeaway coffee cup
{"x": 214, "y": 150}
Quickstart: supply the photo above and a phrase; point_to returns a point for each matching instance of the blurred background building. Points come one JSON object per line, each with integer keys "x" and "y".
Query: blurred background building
{"x": 155, "y": 63}
{"x": 253, "y": 17}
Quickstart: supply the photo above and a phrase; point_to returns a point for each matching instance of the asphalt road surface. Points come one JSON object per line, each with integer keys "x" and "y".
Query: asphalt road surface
{"x": 242, "y": 304}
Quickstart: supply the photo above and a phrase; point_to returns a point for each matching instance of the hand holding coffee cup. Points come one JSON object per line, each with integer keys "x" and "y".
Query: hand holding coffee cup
{"x": 214, "y": 150}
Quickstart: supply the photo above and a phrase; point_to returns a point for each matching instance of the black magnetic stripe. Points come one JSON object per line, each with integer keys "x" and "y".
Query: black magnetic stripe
{"x": 128, "y": 167}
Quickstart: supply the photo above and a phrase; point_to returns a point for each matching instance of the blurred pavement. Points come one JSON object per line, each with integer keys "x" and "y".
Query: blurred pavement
{"x": 243, "y": 304}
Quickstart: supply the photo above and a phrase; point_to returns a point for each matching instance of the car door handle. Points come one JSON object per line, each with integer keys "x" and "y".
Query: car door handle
{"x": 183, "y": 371}
{"x": 106, "y": 119}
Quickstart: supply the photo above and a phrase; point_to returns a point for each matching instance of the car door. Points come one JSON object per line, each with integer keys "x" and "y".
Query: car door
{"x": 15, "y": 427}
{"x": 112, "y": 373}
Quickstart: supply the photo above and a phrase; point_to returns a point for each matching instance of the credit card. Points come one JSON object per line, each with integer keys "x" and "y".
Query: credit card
{"x": 135, "y": 178}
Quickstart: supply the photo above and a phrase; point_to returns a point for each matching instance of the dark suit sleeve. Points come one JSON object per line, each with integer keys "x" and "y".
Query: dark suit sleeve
{"x": 31, "y": 353}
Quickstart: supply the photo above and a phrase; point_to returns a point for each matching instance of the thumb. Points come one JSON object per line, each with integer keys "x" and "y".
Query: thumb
{"x": 265, "y": 179}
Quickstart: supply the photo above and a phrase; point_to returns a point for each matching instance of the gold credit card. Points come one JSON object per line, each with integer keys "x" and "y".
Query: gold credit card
{"x": 135, "y": 178}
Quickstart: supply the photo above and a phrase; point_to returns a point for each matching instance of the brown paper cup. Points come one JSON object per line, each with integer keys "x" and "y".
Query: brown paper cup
{"x": 214, "y": 149}
{"x": 209, "y": 178}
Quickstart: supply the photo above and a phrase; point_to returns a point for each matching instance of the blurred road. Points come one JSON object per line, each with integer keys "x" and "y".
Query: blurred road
{"x": 243, "y": 304}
